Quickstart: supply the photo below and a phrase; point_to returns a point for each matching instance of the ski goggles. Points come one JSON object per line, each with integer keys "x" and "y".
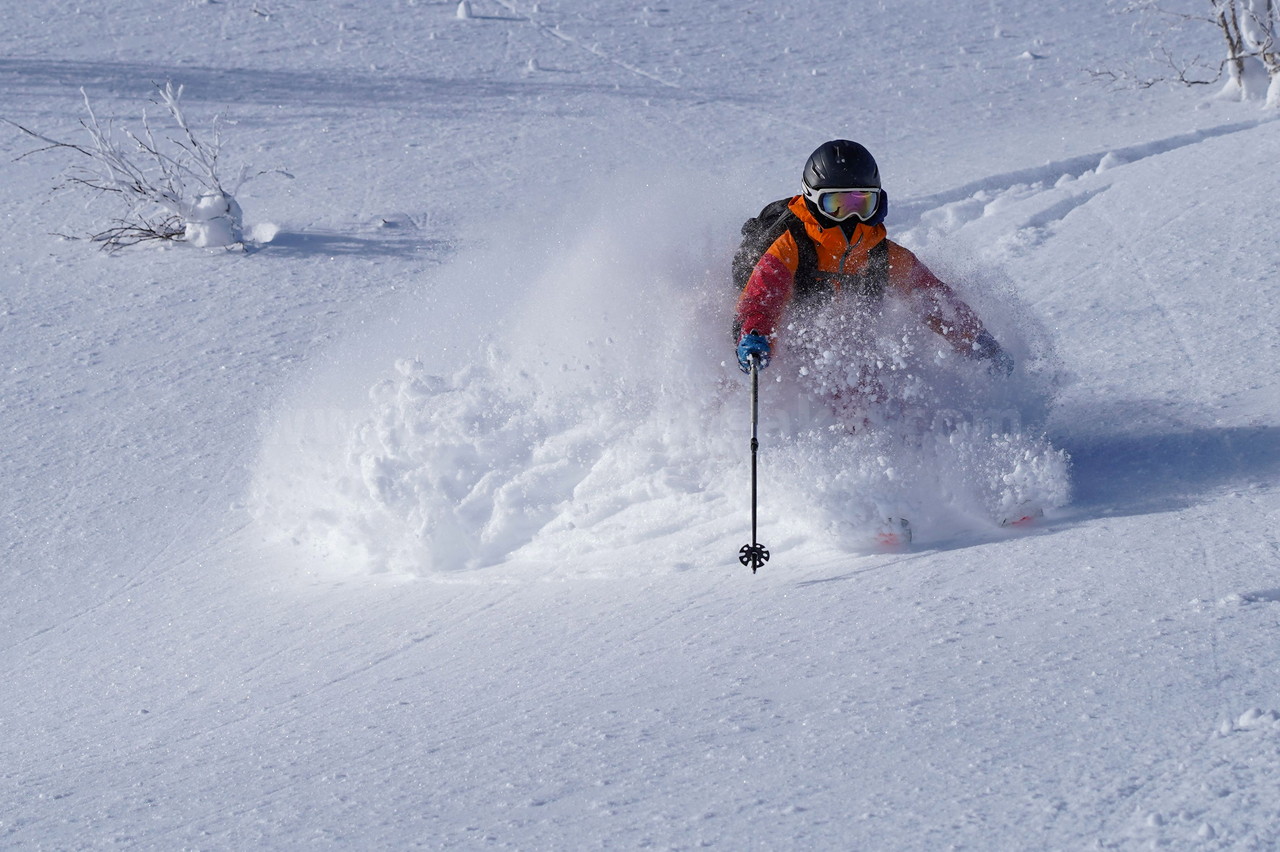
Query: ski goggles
{"x": 841, "y": 204}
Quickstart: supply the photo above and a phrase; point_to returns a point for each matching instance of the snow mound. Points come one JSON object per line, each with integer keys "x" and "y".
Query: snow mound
{"x": 213, "y": 220}
{"x": 595, "y": 420}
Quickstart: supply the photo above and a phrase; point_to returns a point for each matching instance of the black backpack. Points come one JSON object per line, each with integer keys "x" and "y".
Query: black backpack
{"x": 761, "y": 231}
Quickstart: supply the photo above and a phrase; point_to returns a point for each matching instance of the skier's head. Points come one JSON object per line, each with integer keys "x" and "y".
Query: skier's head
{"x": 841, "y": 181}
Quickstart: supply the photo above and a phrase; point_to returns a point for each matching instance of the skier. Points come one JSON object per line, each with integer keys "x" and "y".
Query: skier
{"x": 830, "y": 240}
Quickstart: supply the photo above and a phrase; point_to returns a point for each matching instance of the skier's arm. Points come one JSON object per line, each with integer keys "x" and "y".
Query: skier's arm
{"x": 944, "y": 312}
{"x": 941, "y": 310}
{"x": 768, "y": 289}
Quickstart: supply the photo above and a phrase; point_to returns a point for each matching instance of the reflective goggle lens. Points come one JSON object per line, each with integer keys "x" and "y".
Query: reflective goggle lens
{"x": 840, "y": 204}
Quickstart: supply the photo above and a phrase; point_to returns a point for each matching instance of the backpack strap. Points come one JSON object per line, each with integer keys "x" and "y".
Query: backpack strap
{"x": 760, "y": 233}
{"x": 807, "y": 269}
{"x": 783, "y": 221}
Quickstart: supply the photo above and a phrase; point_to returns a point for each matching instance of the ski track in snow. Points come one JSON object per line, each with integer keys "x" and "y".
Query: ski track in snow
{"x": 960, "y": 200}
{"x": 594, "y": 50}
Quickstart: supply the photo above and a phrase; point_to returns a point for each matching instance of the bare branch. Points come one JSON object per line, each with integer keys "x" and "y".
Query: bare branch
{"x": 50, "y": 143}
{"x": 1249, "y": 33}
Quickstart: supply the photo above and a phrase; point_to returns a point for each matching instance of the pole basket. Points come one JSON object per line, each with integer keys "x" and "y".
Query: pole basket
{"x": 753, "y": 556}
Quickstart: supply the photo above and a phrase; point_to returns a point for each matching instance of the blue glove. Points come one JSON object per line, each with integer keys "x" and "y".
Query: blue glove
{"x": 986, "y": 348}
{"x": 753, "y": 345}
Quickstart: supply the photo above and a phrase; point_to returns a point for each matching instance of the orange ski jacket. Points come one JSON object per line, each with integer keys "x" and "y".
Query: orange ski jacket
{"x": 772, "y": 285}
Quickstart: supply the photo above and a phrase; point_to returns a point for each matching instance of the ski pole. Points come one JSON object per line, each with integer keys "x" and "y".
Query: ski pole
{"x": 754, "y": 554}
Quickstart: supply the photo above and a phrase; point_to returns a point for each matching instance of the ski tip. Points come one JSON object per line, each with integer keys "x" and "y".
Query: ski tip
{"x": 1022, "y": 518}
{"x": 894, "y": 535}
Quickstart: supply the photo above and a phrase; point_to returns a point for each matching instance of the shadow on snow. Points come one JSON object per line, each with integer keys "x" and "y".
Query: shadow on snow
{"x": 333, "y": 243}
{"x": 1152, "y": 471}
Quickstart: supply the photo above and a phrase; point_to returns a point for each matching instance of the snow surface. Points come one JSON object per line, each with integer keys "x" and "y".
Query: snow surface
{"x": 416, "y": 524}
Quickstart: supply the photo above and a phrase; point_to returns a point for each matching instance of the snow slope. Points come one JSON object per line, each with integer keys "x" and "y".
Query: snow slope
{"x": 496, "y": 267}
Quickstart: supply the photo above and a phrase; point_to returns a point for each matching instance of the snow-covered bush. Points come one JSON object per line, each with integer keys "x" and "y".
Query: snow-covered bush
{"x": 173, "y": 186}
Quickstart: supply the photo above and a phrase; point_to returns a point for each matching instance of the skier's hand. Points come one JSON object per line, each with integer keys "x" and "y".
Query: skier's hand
{"x": 1001, "y": 364}
{"x": 753, "y": 345}
{"x": 986, "y": 348}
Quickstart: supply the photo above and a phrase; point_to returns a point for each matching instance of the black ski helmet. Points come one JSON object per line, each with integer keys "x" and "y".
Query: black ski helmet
{"x": 841, "y": 164}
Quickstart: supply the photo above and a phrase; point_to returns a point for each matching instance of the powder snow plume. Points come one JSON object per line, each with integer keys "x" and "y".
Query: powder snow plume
{"x": 579, "y": 405}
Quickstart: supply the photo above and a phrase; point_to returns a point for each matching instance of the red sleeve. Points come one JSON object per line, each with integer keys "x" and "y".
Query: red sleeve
{"x": 767, "y": 292}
